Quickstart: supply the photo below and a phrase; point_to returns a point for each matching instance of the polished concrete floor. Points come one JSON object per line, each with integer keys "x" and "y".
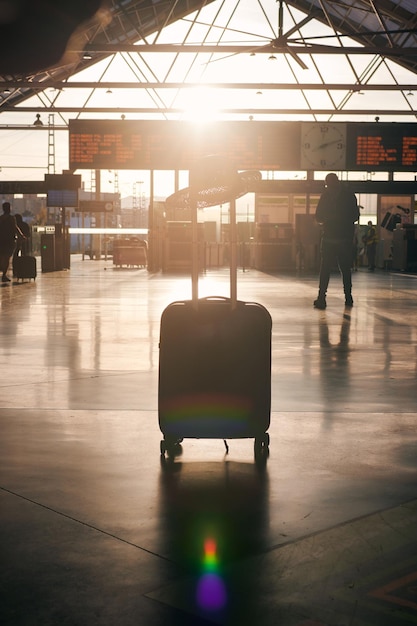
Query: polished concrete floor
{"x": 96, "y": 530}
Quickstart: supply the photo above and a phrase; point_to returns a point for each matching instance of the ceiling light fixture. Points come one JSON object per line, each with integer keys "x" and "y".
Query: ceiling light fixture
{"x": 38, "y": 121}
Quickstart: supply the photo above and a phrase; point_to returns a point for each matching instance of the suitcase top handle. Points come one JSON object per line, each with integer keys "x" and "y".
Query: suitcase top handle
{"x": 213, "y": 182}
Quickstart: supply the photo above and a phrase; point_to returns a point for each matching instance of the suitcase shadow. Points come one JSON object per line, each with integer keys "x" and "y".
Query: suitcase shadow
{"x": 212, "y": 516}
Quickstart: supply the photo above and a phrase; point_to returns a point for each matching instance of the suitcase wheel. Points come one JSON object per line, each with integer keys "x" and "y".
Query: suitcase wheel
{"x": 170, "y": 447}
{"x": 261, "y": 449}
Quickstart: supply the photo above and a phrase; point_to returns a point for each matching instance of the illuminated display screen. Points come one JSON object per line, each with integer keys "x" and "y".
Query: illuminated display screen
{"x": 382, "y": 147}
{"x": 286, "y": 146}
{"x": 169, "y": 145}
{"x": 62, "y": 198}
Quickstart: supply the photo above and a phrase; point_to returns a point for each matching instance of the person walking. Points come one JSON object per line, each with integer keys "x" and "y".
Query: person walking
{"x": 22, "y": 243}
{"x": 22, "y": 247}
{"x": 337, "y": 211}
{"x": 370, "y": 240}
{"x": 8, "y": 233}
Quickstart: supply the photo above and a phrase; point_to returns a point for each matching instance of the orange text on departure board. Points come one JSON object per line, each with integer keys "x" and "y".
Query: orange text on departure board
{"x": 371, "y": 151}
{"x": 409, "y": 153}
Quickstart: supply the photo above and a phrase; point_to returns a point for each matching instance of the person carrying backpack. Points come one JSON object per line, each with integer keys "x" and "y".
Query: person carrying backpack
{"x": 336, "y": 212}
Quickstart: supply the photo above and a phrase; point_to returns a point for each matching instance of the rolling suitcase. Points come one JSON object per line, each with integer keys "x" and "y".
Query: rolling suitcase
{"x": 24, "y": 267}
{"x": 215, "y": 365}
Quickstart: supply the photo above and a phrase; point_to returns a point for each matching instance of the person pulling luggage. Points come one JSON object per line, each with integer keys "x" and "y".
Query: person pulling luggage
{"x": 9, "y": 230}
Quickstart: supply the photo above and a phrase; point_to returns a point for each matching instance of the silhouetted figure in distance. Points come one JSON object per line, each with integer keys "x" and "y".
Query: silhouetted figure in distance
{"x": 8, "y": 233}
{"x": 337, "y": 211}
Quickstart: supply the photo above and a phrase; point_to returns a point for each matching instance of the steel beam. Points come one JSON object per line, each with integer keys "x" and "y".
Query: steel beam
{"x": 272, "y": 48}
{"x": 180, "y": 112}
{"x": 42, "y": 86}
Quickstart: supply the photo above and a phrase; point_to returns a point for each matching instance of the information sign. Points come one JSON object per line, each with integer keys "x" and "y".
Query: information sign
{"x": 382, "y": 147}
{"x": 95, "y": 206}
{"x": 67, "y": 198}
{"x": 246, "y": 145}
{"x": 171, "y": 145}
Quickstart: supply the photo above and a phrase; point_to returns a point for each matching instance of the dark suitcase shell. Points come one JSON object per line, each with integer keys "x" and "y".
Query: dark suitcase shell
{"x": 215, "y": 370}
{"x": 24, "y": 267}
{"x": 215, "y": 353}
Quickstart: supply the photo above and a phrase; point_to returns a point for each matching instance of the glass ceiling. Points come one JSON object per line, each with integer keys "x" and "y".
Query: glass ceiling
{"x": 230, "y": 59}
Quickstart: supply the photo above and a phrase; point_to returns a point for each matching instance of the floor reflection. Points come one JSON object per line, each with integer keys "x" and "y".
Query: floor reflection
{"x": 335, "y": 378}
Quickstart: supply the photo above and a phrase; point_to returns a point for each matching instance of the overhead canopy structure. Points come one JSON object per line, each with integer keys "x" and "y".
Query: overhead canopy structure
{"x": 233, "y": 59}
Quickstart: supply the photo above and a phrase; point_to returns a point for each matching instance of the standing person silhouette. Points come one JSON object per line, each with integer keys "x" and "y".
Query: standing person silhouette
{"x": 8, "y": 233}
{"x": 370, "y": 240}
{"x": 337, "y": 211}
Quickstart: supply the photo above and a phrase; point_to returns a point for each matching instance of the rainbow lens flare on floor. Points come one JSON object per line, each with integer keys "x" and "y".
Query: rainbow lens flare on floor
{"x": 211, "y": 590}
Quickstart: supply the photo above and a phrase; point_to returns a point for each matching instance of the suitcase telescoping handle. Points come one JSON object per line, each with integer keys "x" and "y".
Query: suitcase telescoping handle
{"x": 233, "y": 252}
{"x": 194, "y": 246}
{"x": 209, "y": 173}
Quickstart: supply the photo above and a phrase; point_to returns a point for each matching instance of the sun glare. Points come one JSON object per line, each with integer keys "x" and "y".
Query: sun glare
{"x": 200, "y": 104}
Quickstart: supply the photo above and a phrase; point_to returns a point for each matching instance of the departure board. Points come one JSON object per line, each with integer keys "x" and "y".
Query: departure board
{"x": 286, "y": 146}
{"x": 382, "y": 147}
{"x": 171, "y": 145}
